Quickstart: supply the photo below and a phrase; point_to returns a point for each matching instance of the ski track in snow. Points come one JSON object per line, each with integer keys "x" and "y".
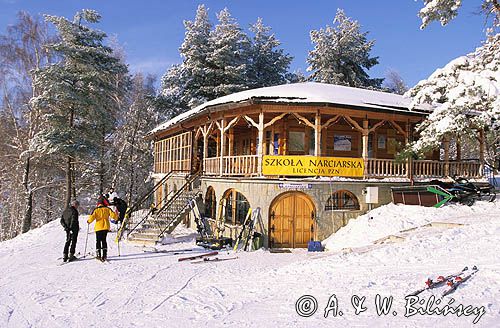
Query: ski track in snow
{"x": 140, "y": 289}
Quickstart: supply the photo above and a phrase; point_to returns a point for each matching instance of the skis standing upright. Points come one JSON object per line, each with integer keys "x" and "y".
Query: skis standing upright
{"x": 251, "y": 228}
{"x": 243, "y": 229}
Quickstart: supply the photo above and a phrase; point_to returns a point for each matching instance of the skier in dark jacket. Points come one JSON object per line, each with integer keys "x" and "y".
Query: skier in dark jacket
{"x": 69, "y": 221}
{"x": 121, "y": 206}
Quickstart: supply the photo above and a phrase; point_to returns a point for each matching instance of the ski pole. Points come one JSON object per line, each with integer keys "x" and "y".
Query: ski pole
{"x": 118, "y": 246}
{"x": 86, "y": 239}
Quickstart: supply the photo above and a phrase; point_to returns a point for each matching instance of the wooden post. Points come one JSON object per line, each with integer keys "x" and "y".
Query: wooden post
{"x": 364, "y": 137}
{"x": 446, "y": 146}
{"x": 222, "y": 146}
{"x": 231, "y": 142}
{"x": 260, "y": 143}
{"x": 409, "y": 160}
{"x": 481, "y": 152}
{"x": 459, "y": 148}
{"x": 317, "y": 134}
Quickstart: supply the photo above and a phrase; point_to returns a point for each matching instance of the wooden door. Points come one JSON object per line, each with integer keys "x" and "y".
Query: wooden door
{"x": 291, "y": 221}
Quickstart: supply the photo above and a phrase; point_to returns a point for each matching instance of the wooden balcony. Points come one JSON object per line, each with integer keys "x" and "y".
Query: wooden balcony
{"x": 247, "y": 166}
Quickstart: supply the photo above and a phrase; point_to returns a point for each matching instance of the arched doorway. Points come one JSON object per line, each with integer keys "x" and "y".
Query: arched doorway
{"x": 291, "y": 220}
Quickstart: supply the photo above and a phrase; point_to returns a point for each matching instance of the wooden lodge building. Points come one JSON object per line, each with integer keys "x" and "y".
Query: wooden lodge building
{"x": 310, "y": 155}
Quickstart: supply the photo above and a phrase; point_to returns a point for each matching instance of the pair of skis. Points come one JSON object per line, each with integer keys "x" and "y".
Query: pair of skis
{"x": 247, "y": 232}
{"x": 453, "y": 281}
{"x": 205, "y": 258}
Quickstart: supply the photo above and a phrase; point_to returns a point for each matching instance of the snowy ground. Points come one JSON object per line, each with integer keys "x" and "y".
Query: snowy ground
{"x": 259, "y": 289}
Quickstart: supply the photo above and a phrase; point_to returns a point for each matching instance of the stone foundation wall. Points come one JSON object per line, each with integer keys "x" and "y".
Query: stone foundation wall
{"x": 262, "y": 192}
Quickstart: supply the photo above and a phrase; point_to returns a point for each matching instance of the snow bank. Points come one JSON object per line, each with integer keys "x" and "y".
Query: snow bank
{"x": 391, "y": 219}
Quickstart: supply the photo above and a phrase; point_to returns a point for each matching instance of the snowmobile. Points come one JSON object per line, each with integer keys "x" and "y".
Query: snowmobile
{"x": 466, "y": 192}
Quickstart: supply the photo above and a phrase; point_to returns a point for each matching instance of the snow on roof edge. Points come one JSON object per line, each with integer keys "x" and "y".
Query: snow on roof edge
{"x": 304, "y": 93}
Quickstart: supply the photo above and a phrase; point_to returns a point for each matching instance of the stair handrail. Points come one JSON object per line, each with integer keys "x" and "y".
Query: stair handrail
{"x": 141, "y": 200}
{"x": 169, "y": 203}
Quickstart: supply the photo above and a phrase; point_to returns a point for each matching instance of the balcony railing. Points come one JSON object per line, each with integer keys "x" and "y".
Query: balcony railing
{"x": 382, "y": 168}
{"x": 470, "y": 169}
{"x": 247, "y": 165}
{"x": 240, "y": 165}
{"x": 428, "y": 169}
{"x": 211, "y": 166}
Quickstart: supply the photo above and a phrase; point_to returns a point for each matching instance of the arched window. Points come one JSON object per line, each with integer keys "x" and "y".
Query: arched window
{"x": 237, "y": 206}
{"x": 342, "y": 200}
{"x": 210, "y": 203}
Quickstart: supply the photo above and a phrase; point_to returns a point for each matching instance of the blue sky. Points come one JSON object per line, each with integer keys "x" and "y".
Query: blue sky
{"x": 152, "y": 31}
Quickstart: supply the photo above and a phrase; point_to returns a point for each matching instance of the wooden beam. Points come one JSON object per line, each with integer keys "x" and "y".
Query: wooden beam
{"x": 303, "y": 120}
{"x": 198, "y": 131}
{"x": 277, "y": 118}
{"x": 331, "y": 121}
{"x": 207, "y": 129}
{"x": 231, "y": 123}
{"x": 252, "y": 122}
{"x": 355, "y": 124}
{"x": 376, "y": 126}
{"x": 399, "y": 128}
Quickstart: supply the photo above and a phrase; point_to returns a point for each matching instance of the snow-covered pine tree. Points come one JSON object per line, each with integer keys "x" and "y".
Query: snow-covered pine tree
{"x": 341, "y": 54}
{"x": 227, "y": 62}
{"x": 445, "y": 10}
{"x": 174, "y": 97}
{"x": 268, "y": 64}
{"x": 77, "y": 92}
{"x": 468, "y": 91}
{"x": 183, "y": 85}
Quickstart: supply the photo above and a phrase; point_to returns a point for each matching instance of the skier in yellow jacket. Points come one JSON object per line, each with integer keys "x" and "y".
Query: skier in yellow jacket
{"x": 101, "y": 215}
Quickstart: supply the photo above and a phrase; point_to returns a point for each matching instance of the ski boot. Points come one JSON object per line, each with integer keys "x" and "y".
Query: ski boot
{"x": 65, "y": 257}
{"x": 72, "y": 257}
{"x": 104, "y": 255}
{"x": 98, "y": 255}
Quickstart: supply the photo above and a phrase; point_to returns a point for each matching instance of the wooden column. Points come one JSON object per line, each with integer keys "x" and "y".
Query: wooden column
{"x": 317, "y": 134}
{"x": 364, "y": 138}
{"x": 231, "y": 142}
{"x": 260, "y": 145}
{"x": 409, "y": 160}
{"x": 446, "y": 148}
{"x": 481, "y": 152}
{"x": 222, "y": 146}
{"x": 459, "y": 148}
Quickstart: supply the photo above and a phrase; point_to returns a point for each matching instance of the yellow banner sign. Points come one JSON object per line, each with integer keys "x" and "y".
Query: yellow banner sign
{"x": 312, "y": 165}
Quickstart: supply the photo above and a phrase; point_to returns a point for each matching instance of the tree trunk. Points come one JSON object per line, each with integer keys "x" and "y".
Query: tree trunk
{"x": 29, "y": 198}
{"x": 69, "y": 182}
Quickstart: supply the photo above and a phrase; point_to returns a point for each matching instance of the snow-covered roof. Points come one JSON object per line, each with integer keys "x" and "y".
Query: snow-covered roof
{"x": 304, "y": 93}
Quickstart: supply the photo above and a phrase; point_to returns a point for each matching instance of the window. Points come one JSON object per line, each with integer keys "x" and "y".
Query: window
{"x": 296, "y": 141}
{"x": 342, "y": 142}
{"x": 210, "y": 203}
{"x": 237, "y": 207}
{"x": 342, "y": 200}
